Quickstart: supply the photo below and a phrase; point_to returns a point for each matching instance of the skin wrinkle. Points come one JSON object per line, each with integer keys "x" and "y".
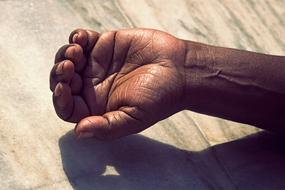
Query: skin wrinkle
{"x": 72, "y": 112}
{"x": 222, "y": 75}
{"x": 192, "y": 60}
{"x": 130, "y": 113}
{"x": 112, "y": 58}
{"x": 88, "y": 41}
{"x": 245, "y": 84}
{"x": 90, "y": 70}
{"x": 95, "y": 59}
{"x": 122, "y": 75}
{"x": 95, "y": 71}
{"x": 118, "y": 72}
{"x": 211, "y": 56}
{"x": 145, "y": 46}
{"x": 122, "y": 110}
{"x": 186, "y": 50}
{"x": 135, "y": 56}
{"x": 157, "y": 75}
{"x": 85, "y": 99}
{"x": 88, "y": 79}
{"x": 106, "y": 133}
{"x": 141, "y": 86}
{"x": 72, "y": 82}
{"x": 230, "y": 77}
{"x": 149, "y": 96}
{"x": 109, "y": 88}
{"x": 116, "y": 53}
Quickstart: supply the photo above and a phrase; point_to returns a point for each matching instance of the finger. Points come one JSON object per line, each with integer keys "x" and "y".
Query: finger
{"x": 61, "y": 72}
{"x": 74, "y": 53}
{"x": 111, "y": 125}
{"x": 69, "y": 108}
{"x": 101, "y": 57}
{"x": 76, "y": 84}
{"x": 85, "y": 38}
{"x": 121, "y": 49}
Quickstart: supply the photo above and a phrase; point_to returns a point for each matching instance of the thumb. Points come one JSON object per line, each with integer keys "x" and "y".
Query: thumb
{"x": 111, "y": 125}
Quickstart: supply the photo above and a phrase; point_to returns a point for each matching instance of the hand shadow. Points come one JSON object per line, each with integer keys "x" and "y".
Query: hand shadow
{"x": 256, "y": 161}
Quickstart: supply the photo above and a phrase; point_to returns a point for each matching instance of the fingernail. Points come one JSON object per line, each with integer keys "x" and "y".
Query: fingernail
{"x": 84, "y": 135}
{"x": 58, "y": 90}
{"x": 59, "y": 69}
{"x": 74, "y": 38}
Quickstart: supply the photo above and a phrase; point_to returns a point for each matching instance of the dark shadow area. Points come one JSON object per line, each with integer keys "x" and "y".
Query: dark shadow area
{"x": 141, "y": 163}
{"x": 254, "y": 162}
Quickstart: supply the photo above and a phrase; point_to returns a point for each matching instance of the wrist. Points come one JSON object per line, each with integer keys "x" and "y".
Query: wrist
{"x": 196, "y": 68}
{"x": 233, "y": 84}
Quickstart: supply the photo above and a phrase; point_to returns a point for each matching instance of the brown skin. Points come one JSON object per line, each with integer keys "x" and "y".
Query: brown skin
{"x": 121, "y": 82}
{"x": 238, "y": 85}
{"x": 118, "y": 83}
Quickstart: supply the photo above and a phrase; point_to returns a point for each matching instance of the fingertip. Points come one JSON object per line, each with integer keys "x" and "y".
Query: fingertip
{"x": 81, "y": 129}
{"x": 79, "y": 36}
{"x": 94, "y": 126}
{"x": 62, "y": 95}
{"x": 58, "y": 89}
{"x": 61, "y": 72}
{"x": 74, "y": 38}
{"x": 76, "y": 55}
{"x": 68, "y": 69}
{"x": 82, "y": 126}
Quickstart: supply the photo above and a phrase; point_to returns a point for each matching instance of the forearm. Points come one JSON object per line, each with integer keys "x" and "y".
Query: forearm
{"x": 237, "y": 85}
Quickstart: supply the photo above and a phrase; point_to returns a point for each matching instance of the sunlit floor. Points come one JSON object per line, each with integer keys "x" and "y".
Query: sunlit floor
{"x": 186, "y": 151}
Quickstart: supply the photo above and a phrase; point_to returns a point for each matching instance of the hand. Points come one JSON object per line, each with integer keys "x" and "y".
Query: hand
{"x": 118, "y": 83}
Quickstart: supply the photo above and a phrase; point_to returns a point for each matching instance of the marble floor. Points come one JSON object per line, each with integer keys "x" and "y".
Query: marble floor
{"x": 185, "y": 151}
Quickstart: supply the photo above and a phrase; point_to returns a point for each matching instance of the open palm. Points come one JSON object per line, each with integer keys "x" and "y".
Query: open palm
{"x": 117, "y": 83}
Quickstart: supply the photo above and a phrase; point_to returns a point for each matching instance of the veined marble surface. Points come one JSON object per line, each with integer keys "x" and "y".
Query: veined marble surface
{"x": 185, "y": 151}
